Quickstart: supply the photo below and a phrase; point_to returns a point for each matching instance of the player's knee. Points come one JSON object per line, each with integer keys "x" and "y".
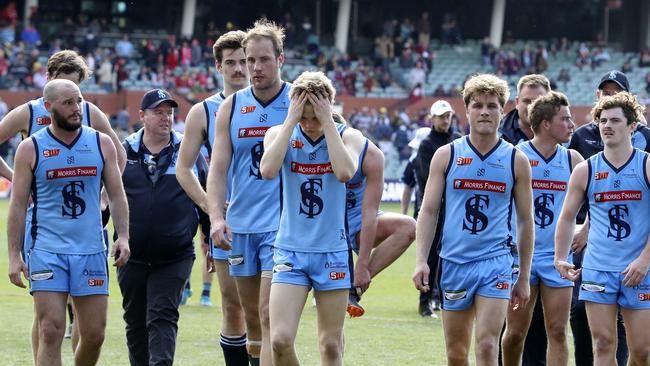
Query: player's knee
{"x": 457, "y": 354}
{"x": 93, "y": 338}
{"x": 51, "y": 333}
{"x": 557, "y": 333}
{"x": 603, "y": 342}
{"x": 407, "y": 228}
{"x": 513, "y": 336}
{"x": 330, "y": 348}
{"x": 282, "y": 343}
{"x": 486, "y": 348}
{"x": 640, "y": 353}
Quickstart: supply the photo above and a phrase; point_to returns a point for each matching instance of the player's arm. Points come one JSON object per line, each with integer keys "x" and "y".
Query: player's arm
{"x": 100, "y": 123}
{"x": 194, "y": 136}
{"x": 373, "y": 169}
{"x": 428, "y": 216}
{"x": 565, "y": 228}
{"x": 24, "y": 163}
{"x": 581, "y": 231}
{"x": 276, "y": 140}
{"x": 636, "y": 271}
{"x": 217, "y": 186}
{"x": 523, "y": 195}
{"x": 405, "y": 201}
{"x": 14, "y": 122}
{"x": 116, "y": 200}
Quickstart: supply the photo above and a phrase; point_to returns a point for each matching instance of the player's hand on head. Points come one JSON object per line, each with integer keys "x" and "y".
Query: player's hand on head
{"x": 16, "y": 268}
{"x": 121, "y": 252}
{"x": 635, "y": 272}
{"x": 322, "y": 107}
{"x": 421, "y": 277}
{"x": 221, "y": 235}
{"x": 296, "y": 107}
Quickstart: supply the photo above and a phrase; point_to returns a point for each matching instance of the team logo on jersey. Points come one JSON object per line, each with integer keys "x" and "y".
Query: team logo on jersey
{"x": 480, "y": 185}
{"x": 617, "y": 183}
{"x": 544, "y": 210}
{"x": 297, "y": 144}
{"x": 548, "y": 185}
{"x": 256, "y": 157}
{"x": 70, "y": 159}
{"x": 252, "y": 132}
{"x": 350, "y": 199}
{"x": 547, "y": 173}
{"x": 82, "y": 171}
{"x": 534, "y": 163}
{"x": 591, "y": 286}
{"x": 480, "y": 172}
{"x": 475, "y": 220}
{"x": 336, "y": 276}
{"x": 502, "y": 285}
{"x": 311, "y": 205}
{"x": 264, "y": 117}
{"x": 452, "y": 295}
{"x": 464, "y": 161}
{"x": 73, "y": 205}
{"x": 311, "y": 169}
{"x": 46, "y": 274}
{"x": 48, "y": 153}
{"x": 618, "y": 196}
{"x": 96, "y": 282}
{"x": 601, "y": 175}
{"x": 43, "y": 120}
{"x": 247, "y": 109}
{"x": 618, "y": 229}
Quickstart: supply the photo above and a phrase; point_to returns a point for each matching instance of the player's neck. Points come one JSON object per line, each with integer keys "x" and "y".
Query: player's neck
{"x": 483, "y": 143}
{"x": 544, "y": 145}
{"x": 266, "y": 94}
{"x": 64, "y": 135}
{"x": 618, "y": 155}
{"x": 154, "y": 142}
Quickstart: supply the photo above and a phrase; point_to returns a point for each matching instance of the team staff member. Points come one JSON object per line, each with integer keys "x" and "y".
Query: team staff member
{"x": 162, "y": 226}
{"x": 615, "y": 184}
{"x": 316, "y": 157}
{"x": 480, "y": 177}
{"x": 63, "y": 167}
{"x": 230, "y": 61}
{"x": 441, "y": 134}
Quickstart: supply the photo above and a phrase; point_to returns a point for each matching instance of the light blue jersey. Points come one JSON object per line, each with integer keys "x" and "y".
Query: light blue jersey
{"x": 478, "y": 202}
{"x": 550, "y": 180}
{"x": 619, "y": 207}
{"x": 313, "y": 199}
{"x": 211, "y": 107}
{"x": 40, "y": 118}
{"x": 355, "y": 190}
{"x": 66, "y": 217}
{"x": 254, "y": 202}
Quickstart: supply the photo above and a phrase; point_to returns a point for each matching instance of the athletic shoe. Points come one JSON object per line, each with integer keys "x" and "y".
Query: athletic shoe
{"x": 187, "y": 293}
{"x": 68, "y": 332}
{"x": 355, "y": 309}
{"x": 436, "y": 305}
{"x": 205, "y": 301}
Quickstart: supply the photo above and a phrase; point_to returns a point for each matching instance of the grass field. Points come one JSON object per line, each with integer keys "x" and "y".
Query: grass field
{"x": 390, "y": 333}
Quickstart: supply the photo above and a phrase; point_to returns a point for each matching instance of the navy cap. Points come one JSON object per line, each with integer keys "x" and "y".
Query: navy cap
{"x": 154, "y": 97}
{"x": 617, "y": 77}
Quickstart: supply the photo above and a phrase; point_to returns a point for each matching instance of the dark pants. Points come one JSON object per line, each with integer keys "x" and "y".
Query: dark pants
{"x": 151, "y": 297}
{"x": 536, "y": 342}
{"x": 580, "y": 328}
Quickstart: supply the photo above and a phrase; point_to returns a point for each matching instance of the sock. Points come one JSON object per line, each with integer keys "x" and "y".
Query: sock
{"x": 254, "y": 361}
{"x": 206, "y": 289}
{"x": 234, "y": 350}
{"x": 70, "y": 313}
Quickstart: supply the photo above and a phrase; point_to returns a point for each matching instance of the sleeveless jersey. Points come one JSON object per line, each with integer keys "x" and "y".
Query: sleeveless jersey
{"x": 254, "y": 202}
{"x": 39, "y": 117}
{"x": 313, "y": 200}
{"x": 478, "y": 202}
{"x": 211, "y": 107}
{"x": 619, "y": 207}
{"x": 66, "y": 217}
{"x": 354, "y": 195}
{"x": 550, "y": 181}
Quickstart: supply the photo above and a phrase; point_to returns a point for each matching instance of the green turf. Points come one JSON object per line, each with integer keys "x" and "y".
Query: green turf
{"x": 390, "y": 333}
